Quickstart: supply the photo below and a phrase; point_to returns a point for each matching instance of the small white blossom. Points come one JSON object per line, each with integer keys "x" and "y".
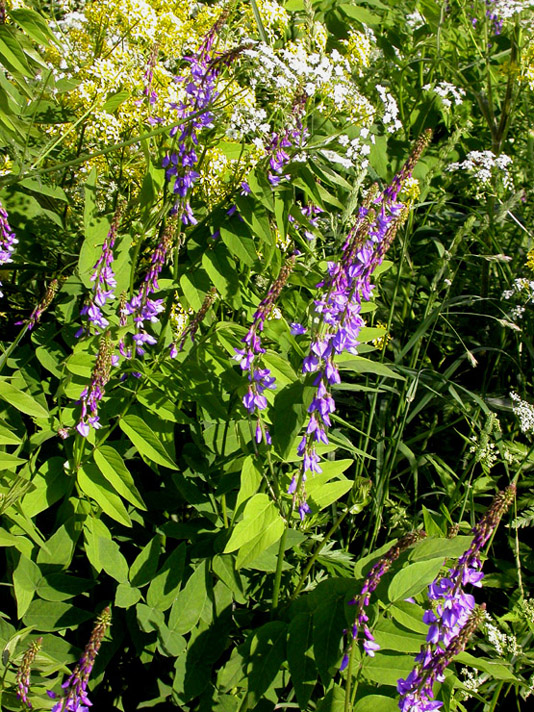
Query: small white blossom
{"x": 525, "y": 412}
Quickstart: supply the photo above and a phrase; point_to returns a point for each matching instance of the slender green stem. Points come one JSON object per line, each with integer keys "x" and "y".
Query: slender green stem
{"x": 317, "y": 551}
{"x": 496, "y": 695}
{"x": 348, "y": 684}
{"x": 279, "y": 565}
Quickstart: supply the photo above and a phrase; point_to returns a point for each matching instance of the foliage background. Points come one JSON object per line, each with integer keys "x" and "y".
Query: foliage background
{"x": 222, "y": 597}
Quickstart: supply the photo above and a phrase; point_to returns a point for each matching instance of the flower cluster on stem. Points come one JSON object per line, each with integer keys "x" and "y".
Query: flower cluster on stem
{"x": 24, "y": 672}
{"x": 452, "y": 611}
{"x": 93, "y": 394}
{"x": 361, "y": 602}
{"x": 142, "y": 306}
{"x": 249, "y": 357}
{"x": 195, "y": 322}
{"x": 76, "y": 699}
{"x": 416, "y": 691}
{"x": 7, "y": 239}
{"x": 104, "y": 280}
{"x": 338, "y": 309}
{"x": 35, "y": 316}
{"x": 195, "y": 114}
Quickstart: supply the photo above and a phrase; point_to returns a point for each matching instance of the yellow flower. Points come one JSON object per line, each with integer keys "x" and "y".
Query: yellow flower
{"x": 382, "y": 341}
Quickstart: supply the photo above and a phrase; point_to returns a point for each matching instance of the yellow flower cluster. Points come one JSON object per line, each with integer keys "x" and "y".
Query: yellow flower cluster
{"x": 382, "y": 341}
{"x": 530, "y": 260}
{"x": 411, "y": 190}
{"x": 527, "y": 66}
{"x": 358, "y": 50}
{"x": 106, "y": 49}
{"x": 179, "y": 318}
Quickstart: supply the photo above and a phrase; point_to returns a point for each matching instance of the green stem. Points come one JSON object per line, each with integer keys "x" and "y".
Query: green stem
{"x": 348, "y": 683}
{"x": 278, "y": 573}
{"x": 317, "y": 551}
{"x": 493, "y": 703}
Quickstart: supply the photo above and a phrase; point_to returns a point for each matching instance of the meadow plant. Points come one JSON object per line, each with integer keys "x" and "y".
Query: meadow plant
{"x": 282, "y": 250}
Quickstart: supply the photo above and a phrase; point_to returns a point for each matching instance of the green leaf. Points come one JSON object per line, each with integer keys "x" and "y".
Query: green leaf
{"x": 80, "y": 364}
{"x": 392, "y": 637}
{"x": 250, "y": 481}
{"x": 112, "y": 466}
{"x": 164, "y": 587}
{"x": 144, "y": 567}
{"x": 21, "y": 401}
{"x": 410, "y": 615}
{"x": 60, "y": 546}
{"x": 11, "y": 55}
{"x": 91, "y": 249}
{"x": 95, "y": 486}
{"x": 8, "y": 437}
{"x": 387, "y": 669}
{"x": 113, "y": 562}
{"x": 432, "y": 547}
{"x": 33, "y": 25}
{"x": 329, "y": 493}
{"x": 61, "y": 587}
{"x": 328, "y": 624}
{"x": 145, "y": 441}
{"x": 289, "y": 413}
{"x": 186, "y": 610}
{"x": 94, "y": 529}
{"x": 300, "y": 657}
{"x": 267, "y": 653}
{"x": 113, "y": 102}
{"x": 413, "y": 579}
{"x": 35, "y": 186}
{"x": 220, "y": 271}
{"x": 54, "y": 615}
{"x": 51, "y": 482}
{"x": 496, "y": 670}
{"x": 333, "y": 701}
{"x": 358, "y": 364}
{"x": 223, "y": 566}
{"x": 149, "y": 619}
{"x": 260, "y": 527}
{"x": 26, "y": 577}
{"x": 376, "y": 703}
{"x": 10, "y": 462}
{"x": 239, "y": 243}
{"x": 126, "y": 596}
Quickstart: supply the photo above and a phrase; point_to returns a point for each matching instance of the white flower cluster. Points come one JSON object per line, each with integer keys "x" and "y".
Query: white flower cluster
{"x": 391, "y": 110}
{"x": 501, "y": 641}
{"x": 448, "y": 93}
{"x": 471, "y": 682}
{"x": 358, "y": 149}
{"x": 322, "y": 75}
{"x": 528, "y": 609}
{"x": 505, "y": 9}
{"x": 415, "y": 20}
{"x": 525, "y": 412}
{"x": 484, "y": 165}
{"x": 246, "y": 121}
{"x": 524, "y": 289}
{"x": 485, "y": 452}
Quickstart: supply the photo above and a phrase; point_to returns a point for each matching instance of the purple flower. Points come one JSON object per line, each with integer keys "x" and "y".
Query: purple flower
{"x": 92, "y": 395}
{"x": 7, "y": 240}
{"x": 454, "y": 616}
{"x": 76, "y": 699}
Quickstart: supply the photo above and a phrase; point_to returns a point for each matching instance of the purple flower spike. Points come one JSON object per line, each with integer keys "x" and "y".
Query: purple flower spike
{"x": 454, "y": 616}
{"x": 76, "y": 699}
{"x": 104, "y": 280}
{"x": 8, "y": 240}
{"x": 250, "y": 357}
